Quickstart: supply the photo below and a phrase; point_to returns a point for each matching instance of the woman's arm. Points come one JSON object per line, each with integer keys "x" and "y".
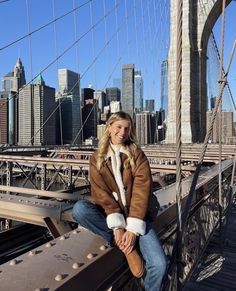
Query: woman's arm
{"x": 142, "y": 186}
{"x": 103, "y": 196}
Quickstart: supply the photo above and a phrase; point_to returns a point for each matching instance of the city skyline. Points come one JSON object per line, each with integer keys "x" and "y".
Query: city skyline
{"x": 113, "y": 42}
{"x": 60, "y": 34}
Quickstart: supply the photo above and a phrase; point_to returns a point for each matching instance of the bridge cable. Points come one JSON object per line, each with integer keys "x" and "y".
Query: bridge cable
{"x": 220, "y": 117}
{"x": 93, "y": 42}
{"x": 56, "y": 52}
{"x": 43, "y": 26}
{"x": 178, "y": 91}
{"x": 109, "y": 77}
{"x": 30, "y": 43}
{"x": 77, "y": 62}
{"x": 185, "y": 213}
{"x": 86, "y": 70}
{"x": 216, "y": 50}
{"x": 61, "y": 55}
{"x": 65, "y": 51}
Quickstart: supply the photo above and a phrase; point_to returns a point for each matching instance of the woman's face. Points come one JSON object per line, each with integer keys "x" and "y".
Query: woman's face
{"x": 119, "y": 131}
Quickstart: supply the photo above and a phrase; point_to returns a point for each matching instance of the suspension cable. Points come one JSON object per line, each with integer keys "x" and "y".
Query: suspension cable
{"x": 62, "y": 54}
{"x": 93, "y": 42}
{"x": 77, "y": 62}
{"x": 220, "y": 110}
{"x": 178, "y": 91}
{"x": 30, "y": 43}
{"x": 82, "y": 75}
{"x": 56, "y": 53}
{"x": 44, "y": 26}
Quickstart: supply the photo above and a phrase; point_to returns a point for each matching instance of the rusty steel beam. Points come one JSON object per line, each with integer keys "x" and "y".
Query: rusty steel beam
{"x": 70, "y": 261}
{"x": 42, "y": 193}
{"x": 78, "y": 260}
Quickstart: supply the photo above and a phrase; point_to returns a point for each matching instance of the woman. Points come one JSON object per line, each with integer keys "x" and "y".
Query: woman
{"x": 121, "y": 185}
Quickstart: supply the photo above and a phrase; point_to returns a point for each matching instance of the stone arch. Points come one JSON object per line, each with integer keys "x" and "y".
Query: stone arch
{"x": 199, "y": 17}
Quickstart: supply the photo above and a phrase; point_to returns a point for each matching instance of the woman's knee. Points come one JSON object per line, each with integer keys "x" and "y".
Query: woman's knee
{"x": 80, "y": 210}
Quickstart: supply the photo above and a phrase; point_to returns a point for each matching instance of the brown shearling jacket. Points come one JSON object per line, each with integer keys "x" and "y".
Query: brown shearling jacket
{"x": 137, "y": 185}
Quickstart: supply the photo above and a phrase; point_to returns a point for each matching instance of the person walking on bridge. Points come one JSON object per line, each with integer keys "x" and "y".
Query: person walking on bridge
{"x": 121, "y": 187}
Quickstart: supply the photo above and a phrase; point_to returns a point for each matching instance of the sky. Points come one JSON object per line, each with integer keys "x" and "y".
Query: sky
{"x": 95, "y": 39}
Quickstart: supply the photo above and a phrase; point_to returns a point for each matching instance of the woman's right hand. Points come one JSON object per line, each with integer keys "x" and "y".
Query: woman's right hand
{"x": 118, "y": 234}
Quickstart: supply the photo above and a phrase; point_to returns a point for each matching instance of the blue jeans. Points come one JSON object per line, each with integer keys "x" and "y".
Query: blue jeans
{"x": 92, "y": 217}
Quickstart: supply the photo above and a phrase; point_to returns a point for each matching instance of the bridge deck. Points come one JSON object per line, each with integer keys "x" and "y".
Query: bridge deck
{"x": 216, "y": 272}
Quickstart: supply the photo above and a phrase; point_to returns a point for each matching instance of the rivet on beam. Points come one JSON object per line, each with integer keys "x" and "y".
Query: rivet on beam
{"x": 103, "y": 248}
{"x": 48, "y": 245}
{"x": 59, "y": 277}
{"x": 13, "y": 262}
{"x": 77, "y": 265}
{"x": 75, "y": 231}
{"x": 90, "y": 256}
{"x": 32, "y": 253}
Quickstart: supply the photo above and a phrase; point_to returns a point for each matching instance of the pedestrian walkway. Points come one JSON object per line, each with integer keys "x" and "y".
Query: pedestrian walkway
{"x": 216, "y": 271}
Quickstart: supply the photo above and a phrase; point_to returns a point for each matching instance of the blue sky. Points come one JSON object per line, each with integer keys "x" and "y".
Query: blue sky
{"x": 136, "y": 31}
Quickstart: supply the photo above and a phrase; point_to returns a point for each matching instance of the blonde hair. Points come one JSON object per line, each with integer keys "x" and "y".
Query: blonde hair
{"x": 130, "y": 143}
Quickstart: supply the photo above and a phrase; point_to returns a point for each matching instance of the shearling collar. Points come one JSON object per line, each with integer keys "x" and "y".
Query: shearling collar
{"x": 123, "y": 149}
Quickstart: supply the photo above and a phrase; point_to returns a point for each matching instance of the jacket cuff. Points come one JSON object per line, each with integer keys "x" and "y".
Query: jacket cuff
{"x": 136, "y": 225}
{"x": 116, "y": 220}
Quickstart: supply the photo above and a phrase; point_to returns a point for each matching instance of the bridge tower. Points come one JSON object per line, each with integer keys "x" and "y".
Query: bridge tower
{"x": 199, "y": 17}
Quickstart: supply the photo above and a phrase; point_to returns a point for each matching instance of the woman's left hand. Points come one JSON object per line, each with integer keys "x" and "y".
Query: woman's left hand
{"x": 128, "y": 242}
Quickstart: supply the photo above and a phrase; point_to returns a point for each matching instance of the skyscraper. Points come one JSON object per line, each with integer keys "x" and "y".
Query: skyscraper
{"x": 100, "y": 96}
{"x": 112, "y": 94}
{"x": 69, "y": 91}
{"x": 150, "y": 105}
{"x": 36, "y": 104}
{"x": 11, "y": 84}
{"x": 3, "y": 120}
{"x": 127, "y": 100}
{"x": 89, "y": 114}
{"x": 227, "y": 126}
{"x": 145, "y": 127}
{"x": 138, "y": 91}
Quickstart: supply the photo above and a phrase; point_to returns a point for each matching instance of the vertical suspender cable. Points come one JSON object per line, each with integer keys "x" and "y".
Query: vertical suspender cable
{"x": 127, "y": 29}
{"x": 136, "y": 33}
{"x": 220, "y": 111}
{"x": 93, "y": 42}
{"x": 31, "y": 75}
{"x": 56, "y": 52}
{"x": 106, "y": 37}
{"x": 144, "y": 42}
{"x": 30, "y": 44}
{"x": 77, "y": 62}
{"x": 117, "y": 31}
{"x": 178, "y": 138}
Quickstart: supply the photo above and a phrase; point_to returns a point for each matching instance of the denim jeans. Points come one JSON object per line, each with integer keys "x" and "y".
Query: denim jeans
{"x": 92, "y": 217}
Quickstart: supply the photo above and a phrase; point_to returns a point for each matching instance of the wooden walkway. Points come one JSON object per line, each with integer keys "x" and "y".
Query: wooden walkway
{"x": 217, "y": 269}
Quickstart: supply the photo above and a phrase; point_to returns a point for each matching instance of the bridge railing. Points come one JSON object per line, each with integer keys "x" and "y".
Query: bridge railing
{"x": 203, "y": 219}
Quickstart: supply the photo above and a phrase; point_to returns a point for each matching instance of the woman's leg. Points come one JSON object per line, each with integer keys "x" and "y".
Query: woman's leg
{"x": 154, "y": 257}
{"x": 90, "y": 216}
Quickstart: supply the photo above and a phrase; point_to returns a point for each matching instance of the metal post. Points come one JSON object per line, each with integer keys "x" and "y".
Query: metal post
{"x": 43, "y": 177}
{"x": 69, "y": 183}
{"x": 9, "y": 174}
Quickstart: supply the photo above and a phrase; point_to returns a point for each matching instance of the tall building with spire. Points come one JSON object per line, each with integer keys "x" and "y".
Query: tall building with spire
{"x": 11, "y": 84}
{"x": 36, "y": 118}
{"x": 127, "y": 100}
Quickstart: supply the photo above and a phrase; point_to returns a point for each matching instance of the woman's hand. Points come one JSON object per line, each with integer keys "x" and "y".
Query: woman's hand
{"x": 128, "y": 242}
{"x": 118, "y": 234}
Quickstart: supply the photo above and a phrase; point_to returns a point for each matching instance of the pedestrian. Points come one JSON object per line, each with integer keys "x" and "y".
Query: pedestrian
{"x": 121, "y": 187}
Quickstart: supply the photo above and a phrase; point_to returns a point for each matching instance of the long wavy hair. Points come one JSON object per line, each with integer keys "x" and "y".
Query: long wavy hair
{"x": 130, "y": 143}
